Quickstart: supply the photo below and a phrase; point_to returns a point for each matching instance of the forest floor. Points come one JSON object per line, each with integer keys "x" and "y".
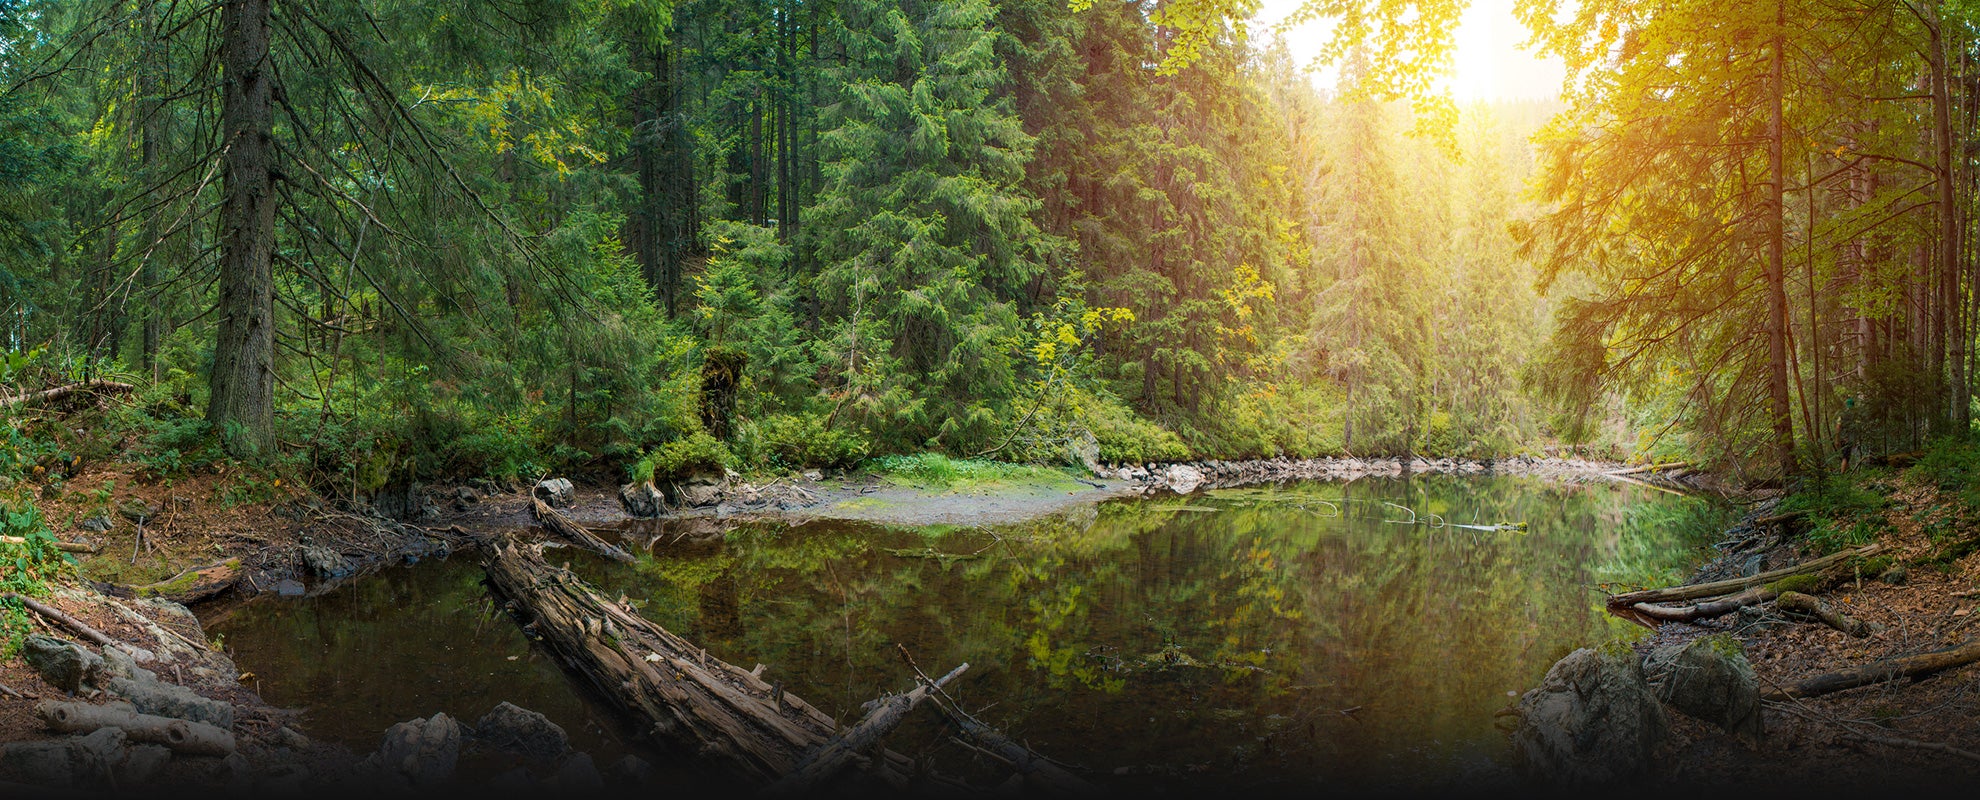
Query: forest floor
{"x": 1886, "y": 736}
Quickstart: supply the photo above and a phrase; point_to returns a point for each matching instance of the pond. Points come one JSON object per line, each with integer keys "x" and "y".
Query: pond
{"x": 1308, "y": 634}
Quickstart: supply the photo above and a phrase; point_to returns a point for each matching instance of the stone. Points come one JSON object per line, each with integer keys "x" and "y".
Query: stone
{"x": 99, "y": 523}
{"x": 289, "y": 738}
{"x": 698, "y": 491}
{"x": 423, "y": 751}
{"x": 288, "y": 588}
{"x": 814, "y": 475}
{"x": 42, "y": 764}
{"x": 555, "y": 492}
{"x": 137, "y": 510}
{"x": 1183, "y": 478}
{"x": 519, "y": 730}
{"x": 642, "y": 500}
{"x": 1085, "y": 451}
{"x": 1709, "y": 678}
{"x": 630, "y": 771}
{"x": 325, "y": 562}
{"x": 1896, "y": 575}
{"x": 161, "y": 699}
{"x": 578, "y": 774}
{"x": 63, "y": 664}
{"x": 1592, "y": 721}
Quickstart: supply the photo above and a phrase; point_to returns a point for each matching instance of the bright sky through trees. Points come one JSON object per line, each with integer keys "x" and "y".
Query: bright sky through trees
{"x": 1490, "y": 64}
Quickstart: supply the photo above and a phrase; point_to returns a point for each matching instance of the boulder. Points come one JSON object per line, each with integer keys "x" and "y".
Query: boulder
{"x": 104, "y": 758}
{"x": 1592, "y": 721}
{"x": 1709, "y": 678}
{"x": 555, "y": 492}
{"x": 99, "y": 523}
{"x": 519, "y": 730}
{"x": 325, "y": 562}
{"x": 630, "y": 770}
{"x": 642, "y": 500}
{"x": 423, "y": 751}
{"x": 63, "y": 664}
{"x": 577, "y": 774}
{"x": 1183, "y": 478}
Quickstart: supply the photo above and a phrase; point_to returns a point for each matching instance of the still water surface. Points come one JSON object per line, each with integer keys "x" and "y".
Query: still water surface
{"x": 1304, "y": 634}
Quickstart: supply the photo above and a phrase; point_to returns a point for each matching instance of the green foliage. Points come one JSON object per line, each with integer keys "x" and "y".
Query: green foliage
{"x": 797, "y": 441}
{"x": 1952, "y": 465}
{"x": 937, "y": 471}
{"x": 693, "y": 454}
{"x": 24, "y": 568}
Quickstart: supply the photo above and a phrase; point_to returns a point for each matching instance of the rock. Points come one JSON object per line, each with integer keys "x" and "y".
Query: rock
{"x": 325, "y": 562}
{"x": 103, "y": 759}
{"x": 119, "y": 664}
{"x": 289, "y": 738}
{"x": 630, "y": 771}
{"x": 99, "y": 523}
{"x": 1896, "y": 575}
{"x": 642, "y": 500}
{"x": 137, "y": 510}
{"x": 1183, "y": 478}
{"x": 1592, "y": 721}
{"x": 521, "y": 731}
{"x": 42, "y": 764}
{"x": 555, "y": 492}
{"x": 1085, "y": 451}
{"x": 811, "y": 475}
{"x": 577, "y": 774}
{"x": 423, "y": 751}
{"x": 63, "y": 664}
{"x": 1709, "y": 678}
{"x": 158, "y": 698}
{"x": 699, "y": 491}
{"x": 288, "y": 588}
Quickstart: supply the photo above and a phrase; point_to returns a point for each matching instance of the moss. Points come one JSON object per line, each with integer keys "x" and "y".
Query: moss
{"x": 1876, "y": 566}
{"x": 1805, "y": 583}
{"x": 1724, "y": 644}
{"x": 181, "y": 583}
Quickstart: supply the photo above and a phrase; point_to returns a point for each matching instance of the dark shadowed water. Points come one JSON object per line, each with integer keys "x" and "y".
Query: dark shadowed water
{"x": 1309, "y": 634}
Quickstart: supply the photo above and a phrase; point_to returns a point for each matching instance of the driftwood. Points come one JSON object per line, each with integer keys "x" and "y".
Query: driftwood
{"x": 692, "y": 700}
{"x": 1039, "y": 772}
{"x": 182, "y": 736}
{"x": 67, "y": 547}
{"x": 1829, "y": 615}
{"x": 563, "y": 526}
{"x": 1717, "y": 588}
{"x": 81, "y": 628}
{"x": 59, "y": 392}
{"x": 1708, "y": 609}
{"x": 1911, "y": 666}
{"x": 195, "y": 584}
{"x": 829, "y": 759}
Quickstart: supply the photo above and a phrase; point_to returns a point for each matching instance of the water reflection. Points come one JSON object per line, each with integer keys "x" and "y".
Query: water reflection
{"x": 1277, "y": 635}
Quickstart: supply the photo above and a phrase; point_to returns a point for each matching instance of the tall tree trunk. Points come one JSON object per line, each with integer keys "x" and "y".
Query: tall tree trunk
{"x": 1950, "y": 348}
{"x": 151, "y": 126}
{"x": 1777, "y": 371}
{"x": 243, "y": 379}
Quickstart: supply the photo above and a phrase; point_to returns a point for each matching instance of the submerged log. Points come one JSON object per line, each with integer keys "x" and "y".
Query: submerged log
{"x": 692, "y": 700}
{"x": 563, "y": 526}
{"x": 181, "y": 736}
{"x": 832, "y": 757}
{"x": 1911, "y": 666}
{"x": 1730, "y": 585}
{"x": 1039, "y": 772}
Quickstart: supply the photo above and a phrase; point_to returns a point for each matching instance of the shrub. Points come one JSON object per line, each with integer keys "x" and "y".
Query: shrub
{"x": 695, "y": 453}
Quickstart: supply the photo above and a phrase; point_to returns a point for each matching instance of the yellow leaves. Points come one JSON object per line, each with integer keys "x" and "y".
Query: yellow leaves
{"x": 522, "y": 113}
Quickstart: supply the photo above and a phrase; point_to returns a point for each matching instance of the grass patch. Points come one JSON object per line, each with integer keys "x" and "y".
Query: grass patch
{"x": 937, "y": 471}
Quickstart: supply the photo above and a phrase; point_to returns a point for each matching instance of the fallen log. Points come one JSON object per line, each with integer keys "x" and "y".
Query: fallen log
{"x": 1653, "y": 468}
{"x": 1039, "y": 772}
{"x": 59, "y": 392}
{"x": 195, "y": 584}
{"x": 1728, "y": 586}
{"x": 1708, "y": 609}
{"x": 184, "y": 737}
{"x": 81, "y": 628}
{"x": 1813, "y": 606}
{"x": 832, "y": 757}
{"x": 1645, "y": 484}
{"x": 1776, "y": 519}
{"x": 66, "y": 547}
{"x": 691, "y": 700}
{"x": 1911, "y": 666}
{"x": 563, "y": 526}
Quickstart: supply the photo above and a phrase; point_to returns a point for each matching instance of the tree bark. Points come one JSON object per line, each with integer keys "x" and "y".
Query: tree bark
{"x": 184, "y": 737}
{"x": 1730, "y": 585}
{"x": 563, "y": 526}
{"x": 59, "y": 392}
{"x": 242, "y": 406}
{"x": 1911, "y": 666}
{"x": 1777, "y": 372}
{"x": 1813, "y": 606}
{"x": 830, "y": 758}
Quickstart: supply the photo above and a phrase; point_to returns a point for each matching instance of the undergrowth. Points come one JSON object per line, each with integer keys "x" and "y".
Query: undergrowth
{"x": 25, "y": 568}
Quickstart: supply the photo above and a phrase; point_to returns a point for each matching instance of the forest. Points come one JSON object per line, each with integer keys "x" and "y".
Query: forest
{"x": 1219, "y": 363}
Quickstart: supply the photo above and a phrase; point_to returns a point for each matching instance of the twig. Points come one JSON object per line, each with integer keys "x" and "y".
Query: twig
{"x": 1802, "y": 710}
{"x": 81, "y": 628}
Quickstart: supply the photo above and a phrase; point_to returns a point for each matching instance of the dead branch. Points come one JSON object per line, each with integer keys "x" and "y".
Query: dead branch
{"x": 83, "y": 629}
{"x": 563, "y": 526}
{"x": 1717, "y": 588}
{"x": 1911, "y": 666}
{"x": 830, "y": 758}
{"x": 66, "y": 547}
{"x": 1829, "y": 615}
{"x": 59, "y": 392}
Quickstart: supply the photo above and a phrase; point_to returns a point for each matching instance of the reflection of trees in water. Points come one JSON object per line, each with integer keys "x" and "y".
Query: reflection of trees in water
{"x": 1205, "y": 630}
